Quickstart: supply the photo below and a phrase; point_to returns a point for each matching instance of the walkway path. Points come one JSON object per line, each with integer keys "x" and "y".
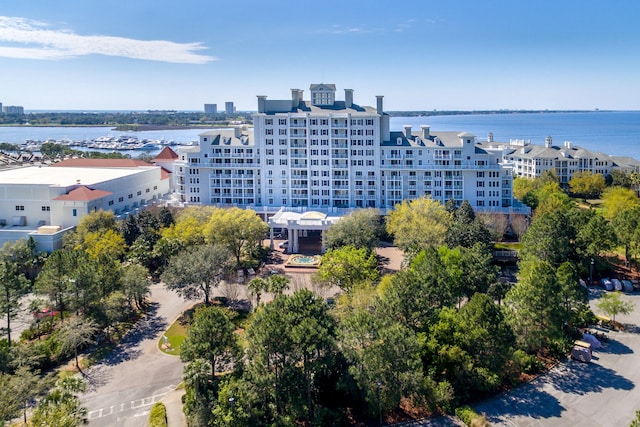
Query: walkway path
{"x": 123, "y": 387}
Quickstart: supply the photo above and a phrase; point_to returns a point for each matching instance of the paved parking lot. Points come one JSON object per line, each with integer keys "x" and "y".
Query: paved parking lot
{"x": 602, "y": 393}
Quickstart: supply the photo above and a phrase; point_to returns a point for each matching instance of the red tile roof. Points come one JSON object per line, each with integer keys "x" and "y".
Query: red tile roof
{"x": 102, "y": 163}
{"x": 166, "y": 154}
{"x": 83, "y": 194}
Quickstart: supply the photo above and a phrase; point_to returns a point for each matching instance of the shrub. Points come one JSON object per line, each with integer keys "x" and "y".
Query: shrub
{"x": 526, "y": 363}
{"x": 470, "y": 417}
{"x": 158, "y": 415}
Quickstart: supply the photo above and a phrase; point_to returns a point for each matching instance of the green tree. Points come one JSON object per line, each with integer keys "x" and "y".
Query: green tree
{"x": 361, "y": 229}
{"x": 551, "y": 238}
{"x": 54, "y": 279}
{"x": 612, "y": 305}
{"x": 347, "y": 267}
{"x": 78, "y": 332}
{"x": 291, "y": 347}
{"x": 277, "y": 284}
{"x": 466, "y": 230}
{"x": 13, "y": 283}
{"x": 210, "y": 337}
{"x": 194, "y": 273}
{"x": 239, "y": 230}
{"x": 418, "y": 224}
{"x": 534, "y": 305}
{"x": 620, "y": 178}
{"x": 414, "y": 296}
{"x": 587, "y": 184}
{"x": 616, "y": 200}
{"x": 136, "y": 284}
{"x": 256, "y": 287}
{"x": 199, "y": 395}
{"x": 383, "y": 358}
{"x": 61, "y": 407}
{"x": 107, "y": 242}
{"x": 595, "y": 237}
{"x": 469, "y": 348}
{"x": 626, "y": 226}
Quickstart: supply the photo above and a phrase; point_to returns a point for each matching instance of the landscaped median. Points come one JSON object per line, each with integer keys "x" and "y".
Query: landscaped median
{"x": 172, "y": 339}
{"x": 158, "y": 415}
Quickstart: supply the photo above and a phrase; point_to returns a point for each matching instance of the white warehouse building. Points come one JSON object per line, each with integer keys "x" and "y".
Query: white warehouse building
{"x": 44, "y": 202}
{"x": 329, "y": 155}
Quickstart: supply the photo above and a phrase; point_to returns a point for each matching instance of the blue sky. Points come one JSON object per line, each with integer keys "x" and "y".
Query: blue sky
{"x": 421, "y": 54}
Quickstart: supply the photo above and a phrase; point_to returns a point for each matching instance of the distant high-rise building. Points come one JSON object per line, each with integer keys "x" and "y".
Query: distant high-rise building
{"x": 211, "y": 108}
{"x": 0, "y": 107}
{"x": 12, "y": 109}
{"x": 229, "y": 108}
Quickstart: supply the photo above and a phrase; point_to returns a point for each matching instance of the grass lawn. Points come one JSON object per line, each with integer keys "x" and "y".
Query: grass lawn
{"x": 176, "y": 334}
{"x": 507, "y": 246}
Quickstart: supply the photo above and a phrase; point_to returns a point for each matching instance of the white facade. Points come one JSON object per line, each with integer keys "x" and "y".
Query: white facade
{"x": 48, "y": 199}
{"x": 530, "y": 160}
{"x": 326, "y": 155}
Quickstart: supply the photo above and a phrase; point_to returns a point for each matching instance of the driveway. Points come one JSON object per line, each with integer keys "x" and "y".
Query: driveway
{"x": 602, "y": 393}
{"x": 123, "y": 387}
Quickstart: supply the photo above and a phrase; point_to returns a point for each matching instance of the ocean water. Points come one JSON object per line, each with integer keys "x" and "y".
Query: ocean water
{"x": 614, "y": 133}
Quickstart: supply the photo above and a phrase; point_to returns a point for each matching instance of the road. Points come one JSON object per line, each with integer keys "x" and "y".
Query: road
{"x": 123, "y": 387}
{"x": 602, "y": 393}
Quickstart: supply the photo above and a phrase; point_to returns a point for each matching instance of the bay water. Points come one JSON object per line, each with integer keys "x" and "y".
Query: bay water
{"x": 610, "y": 132}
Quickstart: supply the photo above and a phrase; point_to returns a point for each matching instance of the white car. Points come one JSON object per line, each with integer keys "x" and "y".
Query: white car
{"x": 284, "y": 244}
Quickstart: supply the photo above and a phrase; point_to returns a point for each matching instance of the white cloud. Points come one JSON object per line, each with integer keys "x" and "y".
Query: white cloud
{"x": 27, "y": 39}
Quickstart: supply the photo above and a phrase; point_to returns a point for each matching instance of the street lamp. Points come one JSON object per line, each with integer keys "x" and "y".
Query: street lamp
{"x": 591, "y": 273}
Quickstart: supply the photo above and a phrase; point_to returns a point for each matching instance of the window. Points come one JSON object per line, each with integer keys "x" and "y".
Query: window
{"x": 110, "y": 202}
{"x": 19, "y": 207}
{"x": 130, "y": 196}
{"x": 268, "y": 122}
{"x": 75, "y": 212}
{"x": 282, "y": 122}
{"x": 46, "y": 208}
{"x": 139, "y": 193}
{"x": 120, "y": 199}
{"x": 282, "y": 132}
{"x": 147, "y": 190}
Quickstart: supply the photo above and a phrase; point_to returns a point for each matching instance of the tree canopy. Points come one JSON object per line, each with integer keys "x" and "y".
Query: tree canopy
{"x": 418, "y": 224}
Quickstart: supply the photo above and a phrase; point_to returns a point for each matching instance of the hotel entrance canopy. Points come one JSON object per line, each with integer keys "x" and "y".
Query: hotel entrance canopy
{"x": 297, "y": 221}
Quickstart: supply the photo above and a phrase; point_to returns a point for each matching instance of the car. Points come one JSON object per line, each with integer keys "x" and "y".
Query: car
{"x": 617, "y": 284}
{"x": 284, "y": 244}
{"x": 606, "y": 284}
{"x": 627, "y": 286}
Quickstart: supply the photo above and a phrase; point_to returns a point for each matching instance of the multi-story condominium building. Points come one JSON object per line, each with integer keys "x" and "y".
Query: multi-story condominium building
{"x": 530, "y": 161}
{"x": 229, "y": 108}
{"x": 326, "y": 154}
{"x": 211, "y": 108}
{"x": 12, "y": 109}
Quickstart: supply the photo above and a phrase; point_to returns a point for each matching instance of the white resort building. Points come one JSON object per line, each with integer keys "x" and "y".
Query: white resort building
{"x": 530, "y": 161}
{"x": 330, "y": 155}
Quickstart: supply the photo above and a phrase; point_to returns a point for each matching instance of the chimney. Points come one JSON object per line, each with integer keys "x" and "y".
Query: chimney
{"x": 237, "y": 131}
{"x": 348, "y": 98}
{"x": 490, "y": 137}
{"x": 261, "y": 103}
{"x": 295, "y": 97}
{"x": 407, "y": 131}
{"x": 425, "y": 131}
{"x": 379, "y": 104}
